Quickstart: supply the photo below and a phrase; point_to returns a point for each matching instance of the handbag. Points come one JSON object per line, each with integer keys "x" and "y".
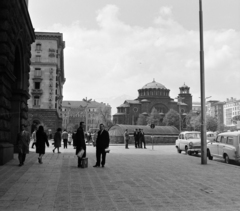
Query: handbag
{"x": 107, "y": 150}
{"x": 81, "y": 152}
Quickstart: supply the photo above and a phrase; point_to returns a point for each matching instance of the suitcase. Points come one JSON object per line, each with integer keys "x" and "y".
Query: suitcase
{"x": 84, "y": 163}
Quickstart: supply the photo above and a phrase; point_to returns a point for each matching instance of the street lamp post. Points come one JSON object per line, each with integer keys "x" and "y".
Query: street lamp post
{"x": 202, "y": 80}
{"x": 87, "y": 103}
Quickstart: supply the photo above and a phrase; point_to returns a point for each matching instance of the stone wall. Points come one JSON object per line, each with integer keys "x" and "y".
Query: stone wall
{"x": 16, "y": 36}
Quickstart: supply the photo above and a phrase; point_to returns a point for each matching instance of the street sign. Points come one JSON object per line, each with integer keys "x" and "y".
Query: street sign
{"x": 152, "y": 126}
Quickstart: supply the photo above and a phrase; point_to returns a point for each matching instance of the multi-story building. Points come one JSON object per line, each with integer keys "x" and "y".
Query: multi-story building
{"x": 92, "y": 114}
{"x": 230, "y": 110}
{"x": 46, "y": 81}
{"x": 16, "y": 37}
{"x": 196, "y": 107}
{"x": 152, "y": 95}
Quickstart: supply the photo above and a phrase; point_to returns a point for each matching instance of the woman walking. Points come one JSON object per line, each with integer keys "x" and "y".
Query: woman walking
{"x": 57, "y": 140}
{"x": 41, "y": 140}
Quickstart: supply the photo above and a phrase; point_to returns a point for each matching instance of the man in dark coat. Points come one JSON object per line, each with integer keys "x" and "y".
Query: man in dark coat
{"x": 102, "y": 143}
{"x": 23, "y": 140}
{"x": 136, "y": 137}
{"x": 80, "y": 142}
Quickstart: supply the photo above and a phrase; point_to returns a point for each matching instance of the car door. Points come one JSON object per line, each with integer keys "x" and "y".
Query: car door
{"x": 181, "y": 142}
{"x": 230, "y": 148}
{"x": 213, "y": 146}
{"x": 222, "y": 145}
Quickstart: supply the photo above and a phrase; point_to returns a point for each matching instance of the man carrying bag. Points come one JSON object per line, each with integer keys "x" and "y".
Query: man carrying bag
{"x": 80, "y": 144}
{"x": 102, "y": 144}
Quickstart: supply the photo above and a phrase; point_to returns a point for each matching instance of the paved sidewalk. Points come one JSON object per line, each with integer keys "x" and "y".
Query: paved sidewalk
{"x": 133, "y": 179}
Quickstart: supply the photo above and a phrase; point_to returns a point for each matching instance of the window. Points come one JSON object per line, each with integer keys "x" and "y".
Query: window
{"x": 36, "y": 101}
{"x": 223, "y": 139}
{"x": 37, "y": 72}
{"x": 37, "y": 85}
{"x": 230, "y": 140}
{"x": 38, "y": 47}
{"x": 38, "y": 58}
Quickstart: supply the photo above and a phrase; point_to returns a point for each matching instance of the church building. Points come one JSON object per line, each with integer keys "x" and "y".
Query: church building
{"x": 152, "y": 95}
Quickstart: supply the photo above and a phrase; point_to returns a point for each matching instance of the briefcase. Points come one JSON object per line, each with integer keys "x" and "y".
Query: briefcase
{"x": 84, "y": 163}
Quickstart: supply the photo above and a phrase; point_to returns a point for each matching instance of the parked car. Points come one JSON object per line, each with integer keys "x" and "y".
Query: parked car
{"x": 211, "y": 136}
{"x": 225, "y": 146}
{"x": 189, "y": 141}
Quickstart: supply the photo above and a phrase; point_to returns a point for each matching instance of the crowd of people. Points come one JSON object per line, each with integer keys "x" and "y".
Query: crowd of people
{"x": 40, "y": 141}
{"x": 139, "y": 138}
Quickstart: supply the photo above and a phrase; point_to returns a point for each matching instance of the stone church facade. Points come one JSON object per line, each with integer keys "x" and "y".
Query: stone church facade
{"x": 152, "y": 95}
{"x": 16, "y": 37}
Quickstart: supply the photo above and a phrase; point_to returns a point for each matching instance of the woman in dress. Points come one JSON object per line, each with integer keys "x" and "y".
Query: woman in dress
{"x": 57, "y": 140}
{"x": 41, "y": 140}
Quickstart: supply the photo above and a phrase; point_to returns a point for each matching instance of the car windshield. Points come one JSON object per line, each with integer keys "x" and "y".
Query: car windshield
{"x": 192, "y": 136}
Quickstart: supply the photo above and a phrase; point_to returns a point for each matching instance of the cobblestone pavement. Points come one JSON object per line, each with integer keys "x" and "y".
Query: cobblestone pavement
{"x": 133, "y": 179}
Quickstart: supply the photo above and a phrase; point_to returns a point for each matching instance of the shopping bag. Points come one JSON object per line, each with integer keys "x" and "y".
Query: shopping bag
{"x": 80, "y": 154}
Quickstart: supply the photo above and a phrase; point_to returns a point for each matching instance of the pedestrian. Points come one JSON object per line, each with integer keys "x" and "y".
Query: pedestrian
{"x": 73, "y": 138}
{"x": 65, "y": 138}
{"x": 42, "y": 139}
{"x": 80, "y": 142}
{"x": 34, "y": 137}
{"x": 57, "y": 140}
{"x": 142, "y": 139}
{"x": 136, "y": 137}
{"x": 139, "y": 138}
{"x": 23, "y": 140}
{"x": 126, "y": 138}
{"x": 102, "y": 143}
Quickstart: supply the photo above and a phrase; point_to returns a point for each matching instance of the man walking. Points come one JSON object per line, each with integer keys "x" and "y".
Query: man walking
{"x": 136, "y": 137}
{"x": 65, "y": 138}
{"x": 23, "y": 140}
{"x": 142, "y": 138}
{"x": 126, "y": 137}
{"x": 102, "y": 143}
{"x": 80, "y": 142}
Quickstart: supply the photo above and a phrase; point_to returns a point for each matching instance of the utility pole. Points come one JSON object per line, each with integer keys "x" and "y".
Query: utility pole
{"x": 202, "y": 80}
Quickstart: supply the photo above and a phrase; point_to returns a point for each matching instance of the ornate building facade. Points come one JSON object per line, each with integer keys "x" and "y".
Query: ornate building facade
{"x": 16, "y": 37}
{"x": 46, "y": 81}
{"x": 152, "y": 95}
{"x": 92, "y": 114}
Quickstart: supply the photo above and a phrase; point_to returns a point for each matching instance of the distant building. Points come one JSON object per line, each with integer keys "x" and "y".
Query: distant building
{"x": 231, "y": 109}
{"x": 196, "y": 107}
{"x": 92, "y": 114}
{"x": 46, "y": 81}
{"x": 152, "y": 95}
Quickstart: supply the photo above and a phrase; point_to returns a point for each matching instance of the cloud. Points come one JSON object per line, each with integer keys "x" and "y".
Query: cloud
{"x": 116, "y": 58}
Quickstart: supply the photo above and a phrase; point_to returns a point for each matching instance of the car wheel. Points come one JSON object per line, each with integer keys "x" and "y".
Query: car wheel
{"x": 210, "y": 157}
{"x": 178, "y": 150}
{"x": 196, "y": 153}
{"x": 226, "y": 158}
{"x": 189, "y": 153}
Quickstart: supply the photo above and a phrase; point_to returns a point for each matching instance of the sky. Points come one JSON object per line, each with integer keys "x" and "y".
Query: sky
{"x": 115, "y": 47}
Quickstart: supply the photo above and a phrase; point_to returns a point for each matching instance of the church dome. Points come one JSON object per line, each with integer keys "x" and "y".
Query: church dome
{"x": 154, "y": 85}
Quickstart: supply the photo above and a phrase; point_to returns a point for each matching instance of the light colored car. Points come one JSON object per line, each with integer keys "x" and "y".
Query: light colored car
{"x": 211, "y": 136}
{"x": 225, "y": 146}
{"x": 189, "y": 141}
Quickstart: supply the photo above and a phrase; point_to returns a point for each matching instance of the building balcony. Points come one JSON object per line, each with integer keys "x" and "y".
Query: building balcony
{"x": 37, "y": 92}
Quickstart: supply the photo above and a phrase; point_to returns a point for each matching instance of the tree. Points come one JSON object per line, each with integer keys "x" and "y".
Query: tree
{"x": 211, "y": 123}
{"x": 142, "y": 120}
{"x": 154, "y": 117}
{"x": 172, "y": 118}
{"x": 105, "y": 116}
